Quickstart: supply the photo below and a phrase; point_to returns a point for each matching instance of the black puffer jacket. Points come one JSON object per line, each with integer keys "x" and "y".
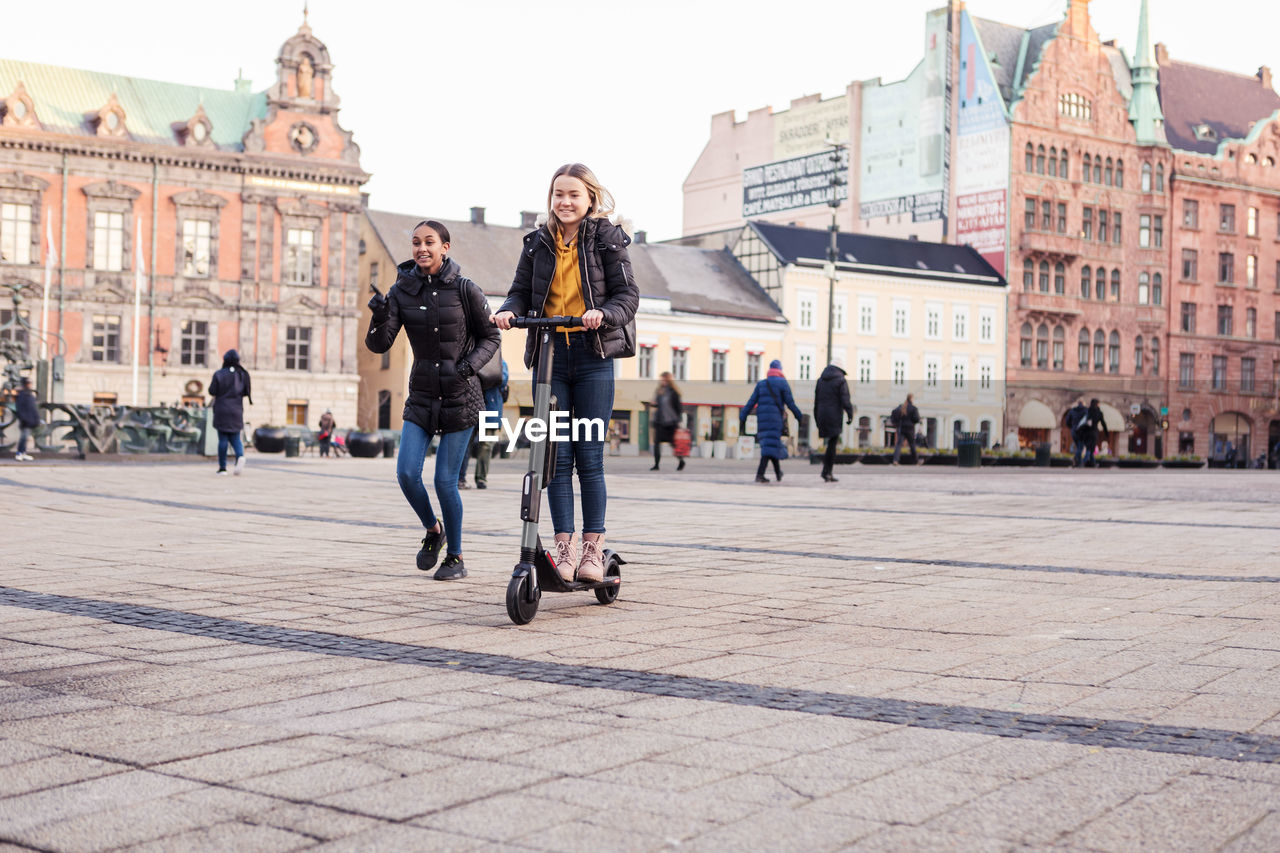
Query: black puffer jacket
{"x": 431, "y": 311}
{"x": 830, "y": 401}
{"x": 607, "y": 283}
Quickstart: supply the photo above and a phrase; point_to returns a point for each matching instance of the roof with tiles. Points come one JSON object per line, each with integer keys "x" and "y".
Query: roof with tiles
{"x": 1222, "y": 104}
{"x": 894, "y": 256}
{"x": 65, "y": 100}
{"x": 693, "y": 280}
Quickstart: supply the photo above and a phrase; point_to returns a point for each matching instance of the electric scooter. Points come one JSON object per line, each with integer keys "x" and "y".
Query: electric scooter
{"x": 536, "y": 570}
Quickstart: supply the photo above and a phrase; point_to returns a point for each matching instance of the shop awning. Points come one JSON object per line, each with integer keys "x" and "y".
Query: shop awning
{"x": 1112, "y": 418}
{"x": 1036, "y": 415}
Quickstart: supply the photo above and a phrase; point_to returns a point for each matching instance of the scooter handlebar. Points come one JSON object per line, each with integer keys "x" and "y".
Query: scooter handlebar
{"x": 544, "y": 322}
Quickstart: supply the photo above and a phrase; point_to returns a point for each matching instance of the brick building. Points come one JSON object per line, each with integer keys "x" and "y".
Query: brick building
{"x": 235, "y": 214}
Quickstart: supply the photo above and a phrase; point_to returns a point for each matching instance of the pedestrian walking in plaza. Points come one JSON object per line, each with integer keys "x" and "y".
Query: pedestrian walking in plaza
{"x": 904, "y": 420}
{"x": 443, "y": 314}
{"x": 665, "y": 409}
{"x": 1074, "y": 418}
{"x": 495, "y": 394}
{"x": 325, "y": 436}
{"x": 228, "y": 388}
{"x": 576, "y": 264}
{"x": 770, "y": 400}
{"x": 831, "y": 407}
{"x": 28, "y": 412}
{"x": 1088, "y": 431}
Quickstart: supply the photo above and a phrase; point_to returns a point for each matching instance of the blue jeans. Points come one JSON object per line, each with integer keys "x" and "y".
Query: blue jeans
{"x": 414, "y": 441}
{"x": 225, "y": 438}
{"x": 582, "y": 382}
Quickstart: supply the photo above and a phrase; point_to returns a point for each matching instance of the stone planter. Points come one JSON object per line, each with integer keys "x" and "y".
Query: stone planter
{"x": 940, "y": 459}
{"x": 1137, "y": 463}
{"x": 269, "y": 439}
{"x": 1183, "y": 463}
{"x": 365, "y": 445}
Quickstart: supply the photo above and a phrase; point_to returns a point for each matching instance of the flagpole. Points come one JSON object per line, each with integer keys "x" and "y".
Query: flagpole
{"x": 48, "y": 282}
{"x": 137, "y": 304}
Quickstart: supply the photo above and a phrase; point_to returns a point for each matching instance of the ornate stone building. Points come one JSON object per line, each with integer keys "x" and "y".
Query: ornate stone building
{"x": 232, "y": 217}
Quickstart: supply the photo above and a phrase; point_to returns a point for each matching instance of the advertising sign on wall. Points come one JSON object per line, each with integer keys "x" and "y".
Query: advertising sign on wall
{"x": 982, "y": 154}
{"x": 805, "y": 129}
{"x": 788, "y": 184}
{"x": 903, "y": 139}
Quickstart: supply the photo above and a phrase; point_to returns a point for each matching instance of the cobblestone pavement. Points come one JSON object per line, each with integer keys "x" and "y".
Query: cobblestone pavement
{"x": 912, "y": 658}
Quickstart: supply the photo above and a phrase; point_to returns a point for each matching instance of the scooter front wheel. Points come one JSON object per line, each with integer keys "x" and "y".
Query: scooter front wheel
{"x": 519, "y": 607}
{"x": 609, "y": 593}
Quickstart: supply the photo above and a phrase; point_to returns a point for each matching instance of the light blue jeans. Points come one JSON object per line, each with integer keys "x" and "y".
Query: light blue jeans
{"x": 414, "y": 441}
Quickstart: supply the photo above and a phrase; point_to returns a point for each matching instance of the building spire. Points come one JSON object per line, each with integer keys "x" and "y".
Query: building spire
{"x": 1144, "y": 106}
{"x": 306, "y": 26}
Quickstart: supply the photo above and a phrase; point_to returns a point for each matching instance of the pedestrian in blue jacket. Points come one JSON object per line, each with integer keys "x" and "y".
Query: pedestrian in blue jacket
{"x": 770, "y": 400}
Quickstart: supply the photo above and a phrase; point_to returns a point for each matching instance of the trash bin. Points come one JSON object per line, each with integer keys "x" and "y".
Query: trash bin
{"x": 1042, "y": 455}
{"x": 969, "y": 450}
{"x": 389, "y": 442}
{"x": 292, "y": 445}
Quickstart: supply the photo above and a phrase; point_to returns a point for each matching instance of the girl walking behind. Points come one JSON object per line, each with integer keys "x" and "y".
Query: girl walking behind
{"x": 771, "y": 394}
{"x": 577, "y": 265}
{"x": 444, "y": 316}
{"x": 666, "y": 417}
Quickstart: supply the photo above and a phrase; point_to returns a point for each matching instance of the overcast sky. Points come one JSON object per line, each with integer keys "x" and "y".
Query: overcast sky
{"x": 477, "y": 102}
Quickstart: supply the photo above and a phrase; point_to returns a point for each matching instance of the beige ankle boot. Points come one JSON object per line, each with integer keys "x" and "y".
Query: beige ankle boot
{"x": 591, "y": 567}
{"x": 566, "y": 557}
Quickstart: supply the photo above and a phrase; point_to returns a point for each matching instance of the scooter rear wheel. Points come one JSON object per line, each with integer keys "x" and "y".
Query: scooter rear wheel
{"x": 519, "y": 607}
{"x": 609, "y": 594}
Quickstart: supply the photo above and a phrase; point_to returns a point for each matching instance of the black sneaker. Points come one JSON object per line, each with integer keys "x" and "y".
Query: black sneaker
{"x": 480, "y": 484}
{"x": 430, "y": 550}
{"x": 451, "y": 569}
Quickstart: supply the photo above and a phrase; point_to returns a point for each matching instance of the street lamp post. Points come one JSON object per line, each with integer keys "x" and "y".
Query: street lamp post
{"x": 837, "y": 180}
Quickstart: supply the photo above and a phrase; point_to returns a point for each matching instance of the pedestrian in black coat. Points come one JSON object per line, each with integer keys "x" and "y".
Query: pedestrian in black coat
{"x": 831, "y": 407}
{"x": 229, "y": 387}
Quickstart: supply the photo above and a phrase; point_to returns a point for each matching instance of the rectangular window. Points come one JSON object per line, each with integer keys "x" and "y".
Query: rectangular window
{"x": 295, "y": 413}
{"x": 194, "y": 343}
{"x": 1086, "y": 224}
{"x": 1251, "y": 322}
{"x": 1190, "y": 258}
{"x": 1137, "y": 358}
{"x": 1099, "y": 353}
{"x": 1218, "y": 381}
{"x": 298, "y": 255}
{"x": 1250, "y": 270}
{"x": 1186, "y": 369}
{"x": 1227, "y": 218}
{"x": 933, "y": 322}
{"x": 1157, "y": 231}
{"x": 961, "y": 320}
{"x": 1104, "y": 227}
{"x": 1046, "y": 216}
{"x": 899, "y": 371}
{"x": 866, "y": 316}
{"x": 864, "y": 369}
{"x": 644, "y": 362}
{"x": 1062, "y": 218}
{"x": 931, "y": 371}
{"x": 1247, "y": 369}
{"x": 1059, "y": 353}
{"x": 679, "y": 363}
{"x": 1224, "y": 319}
{"x": 106, "y": 338}
{"x": 197, "y": 240}
{"x": 1190, "y": 213}
{"x": 373, "y": 274}
{"x": 804, "y": 366}
{"x": 1226, "y": 268}
{"x": 984, "y": 376}
{"x": 108, "y": 241}
{"x": 806, "y": 311}
{"x": 15, "y": 233}
{"x": 1144, "y": 231}
{"x": 839, "y": 310}
{"x": 297, "y": 348}
{"x": 386, "y": 365}
{"x": 901, "y": 320}
{"x": 957, "y": 374}
{"x": 1030, "y": 218}
{"x": 987, "y": 327}
{"x": 1042, "y": 353}
{"x": 1189, "y": 317}
{"x": 1082, "y": 352}
{"x": 1116, "y": 228}
{"x": 753, "y": 367}
{"x": 1251, "y": 224}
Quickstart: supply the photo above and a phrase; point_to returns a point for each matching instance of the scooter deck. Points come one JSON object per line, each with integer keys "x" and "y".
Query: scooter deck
{"x": 549, "y": 579}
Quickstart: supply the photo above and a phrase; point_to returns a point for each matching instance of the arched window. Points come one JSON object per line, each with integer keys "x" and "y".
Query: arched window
{"x": 1146, "y": 177}
{"x": 1155, "y": 356}
{"x": 1144, "y": 288}
{"x": 1115, "y": 285}
{"x": 1059, "y": 347}
{"x": 1088, "y": 161}
{"x": 1042, "y": 347}
{"x": 1107, "y": 175}
{"x": 1028, "y": 274}
{"x": 1097, "y": 169}
{"x": 1120, "y": 173}
{"x": 1053, "y": 162}
{"x": 1039, "y": 159}
{"x": 1083, "y": 355}
{"x": 1059, "y": 279}
{"x": 1062, "y": 165}
{"x": 1099, "y": 351}
{"x": 1157, "y": 290}
{"x": 1114, "y": 352}
{"x": 1137, "y": 355}
{"x": 1031, "y": 158}
{"x": 1100, "y": 284}
{"x": 1160, "y": 177}
{"x": 1086, "y": 281}
{"x": 1044, "y": 276}
{"x": 1025, "y": 349}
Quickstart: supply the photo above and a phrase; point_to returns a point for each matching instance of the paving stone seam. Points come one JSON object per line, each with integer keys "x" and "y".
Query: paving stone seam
{"x": 1125, "y": 734}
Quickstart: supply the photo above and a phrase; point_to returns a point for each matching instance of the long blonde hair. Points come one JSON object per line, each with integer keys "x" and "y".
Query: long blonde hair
{"x": 601, "y": 199}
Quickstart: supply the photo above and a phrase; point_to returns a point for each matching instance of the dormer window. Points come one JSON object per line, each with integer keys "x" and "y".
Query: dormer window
{"x": 111, "y": 119}
{"x": 18, "y": 110}
{"x": 1205, "y": 133}
{"x": 197, "y": 130}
